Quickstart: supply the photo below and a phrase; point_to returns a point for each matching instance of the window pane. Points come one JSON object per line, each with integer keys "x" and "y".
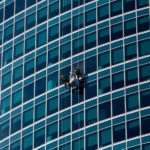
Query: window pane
{"x": 141, "y": 3}
{"x": 78, "y": 22}
{"x": 8, "y": 33}
{"x": 15, "y": 123}
{"x": 132, "y": 102}
{"x": 146, "y": 146}
{"x": 52, "y": 131}
{"x": 90, "y": 90}
{"x": 91, "y": 141}
{"x": 40, "y": 62}
{"x": 90, "y": 40}
{"x": 27, "y": 117}
{"x": 116, "y": 31}
{"x": 7, "y": 56}
{"x": 144, "y": 98}
{"x": 118, "y": 102}
{"x": 104, "y": 110}
{"x": 144, "y": 123}
{"x": 103, "y": 12}
{"x": 65, "y": 50}
{"x": 39, "y": 111}
{"x": 27, "y": 142}
{"x": 1, "y": 14}
{"x": 5, "y": 105}
{"x": 20, "y": 5}
{"x": 77, "y": 45}
{"x": 129, "y": 5}
{"x": 17, "y": 74}
{"x": 105, "y": 137}
{"x": 116, "y": 7}
{"x": 30, "y": 20}
{"x": 41, "y": 38}
{"x": 119, "y": 133}
{"x": 28, "y": 89}
{"x": 17, "y": 98}
{"x": 65, "y": 100}
{"x": 29, "y": 2}
{"x": 143, "y": 23}
{"x": 65, "y": 27}
{"x": 19, "y": 27}
{"x": 65, "y": 5}
{"x": 29, "y": 68}
{"x": 77, "y": 3}
{"x": 144, "y": 47}
{"x": 90, "y": 17}
{"x": 53, "y": 32}
{"x": 78, "y": 120}
{"x": 15, "y": 145}
{"x": 53, "y": 9}
{"x": 130, "y": 51}
{"x": 144, "y": 72}
{"x": 40, "y": 86}
{"x": 90, "y": 64}
{"x": 52, "y": 105}
{"x": 39, "y": 137}
{"x": 6, "y": 80}
{"x": 104, "y": 85}
{"x": 18, "y": 50}
{"x": 30, "y": 44}
{"x": 91, "y": 115}
{"x": 130, "y": 27}
{"x": 9, "y": 10}
{"x": 133, "y": 128}
{"x": 42, "y": 15}
{"x": 78, "y": 144}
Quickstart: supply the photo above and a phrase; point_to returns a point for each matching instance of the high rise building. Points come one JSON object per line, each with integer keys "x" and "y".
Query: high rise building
{"x": 108, "y": 41}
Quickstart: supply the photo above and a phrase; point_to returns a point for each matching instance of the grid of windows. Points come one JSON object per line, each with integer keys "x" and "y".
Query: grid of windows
{"x": 40, "y": 40}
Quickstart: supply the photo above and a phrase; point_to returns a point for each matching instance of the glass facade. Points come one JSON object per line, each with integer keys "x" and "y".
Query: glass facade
{"x": 108, "y": 40}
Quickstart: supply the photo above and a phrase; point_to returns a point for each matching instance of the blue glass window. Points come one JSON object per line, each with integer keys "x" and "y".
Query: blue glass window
{"x": 90, "y": 64}
{"x": 146, "y": 146}
{"x": 91, "y": 141}
{"x": 9, "y": 10}
{"x": 118, "y": 102}
{"x": 52, "y": 81}
{"x": 91, "y": 90}
{"x": 15, "y": 145}
{"x": 65, "y": 126}
{"x": 65, "y": 5}
{"x": 78, "y": 144}
{"x": 40, "y": 62}
{"x": 42, "y": 15}
{"x": 77, "y": 3}
{"x": 30, "y": 44}
{"x": 28, "y": 89}
{"x": 16, "y": 98}
{"x": 78, "y": 22}
{"x": 144, "y": 124}
{"x": 103, "y": 36}
{"x": 132, "y": 102}
{"x": 30, "y": 20}
{"x": 116, "y": 7}
{"x": 7, "y": 56}
{"x": 8, "y": 33}
{"x": 53, "y": 32}
{"x": 27, "y": 117}
{"x": 103, "y": 12}
{"x": 6, "y": 80}
{"x": 141, "y": 3}
{"x": 15, "y": 123}
{"x": 133, "y": 128}
{"x": 130, "y": 27}
{"x": 40, "y": 86}
{"x": 131, "y": 76}
{"x": 143, "y": 47}
{"x": 77, "y": 45}
{"x": 143, "y": 23}
{"x": 29, "y": 68}
{"x": 117, "y": 80}
{"x": 1, "y": 14}
{"x": 144, "y": 98}
{"x": 90, "y": 40}
{"x": 90, "y": 17}
{"x": 130, "y": 51}
{"x": 18, "y": 50}
{"x": 129, "y": 5}
{"x": 65, "y": 100}
{"x": 65, "y": 50}
{"x": 144, "y": 72}
{"x": 1, "y": 37}
{"x": 105, "y": 137}
{"x": 65, "y": 147}
{"x": 30, "y": 3}
{"x": 53, "y": 56}
{"x": 39, "y": 111}
{"x": 27, "y": 142}
{"x": 5, "y": 105}
{"x": 4, "y": 130}
{"x": 91, "y": 115}
{"x": 41, "y": 38}
{"x": 52, "y": 105}
{"x": 20, "y": 5}
{"x": 78, "y": 120}
{"x": 39, "y": 137}
{"x": 104, "y": 60}
{"x": 52, "y": 131}
{"x": 54, "y": 9}
{"x": 17, "y": 74}
{"x": 119, "y": 132}
{"x": 65, "y": 27}
{"x": 116, "y": 31}
{"x": 104, "y": 110}
{"x": 104, "y": 85}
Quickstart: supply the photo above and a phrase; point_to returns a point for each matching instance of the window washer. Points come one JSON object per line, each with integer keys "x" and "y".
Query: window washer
{"x": 65, "y": 80}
